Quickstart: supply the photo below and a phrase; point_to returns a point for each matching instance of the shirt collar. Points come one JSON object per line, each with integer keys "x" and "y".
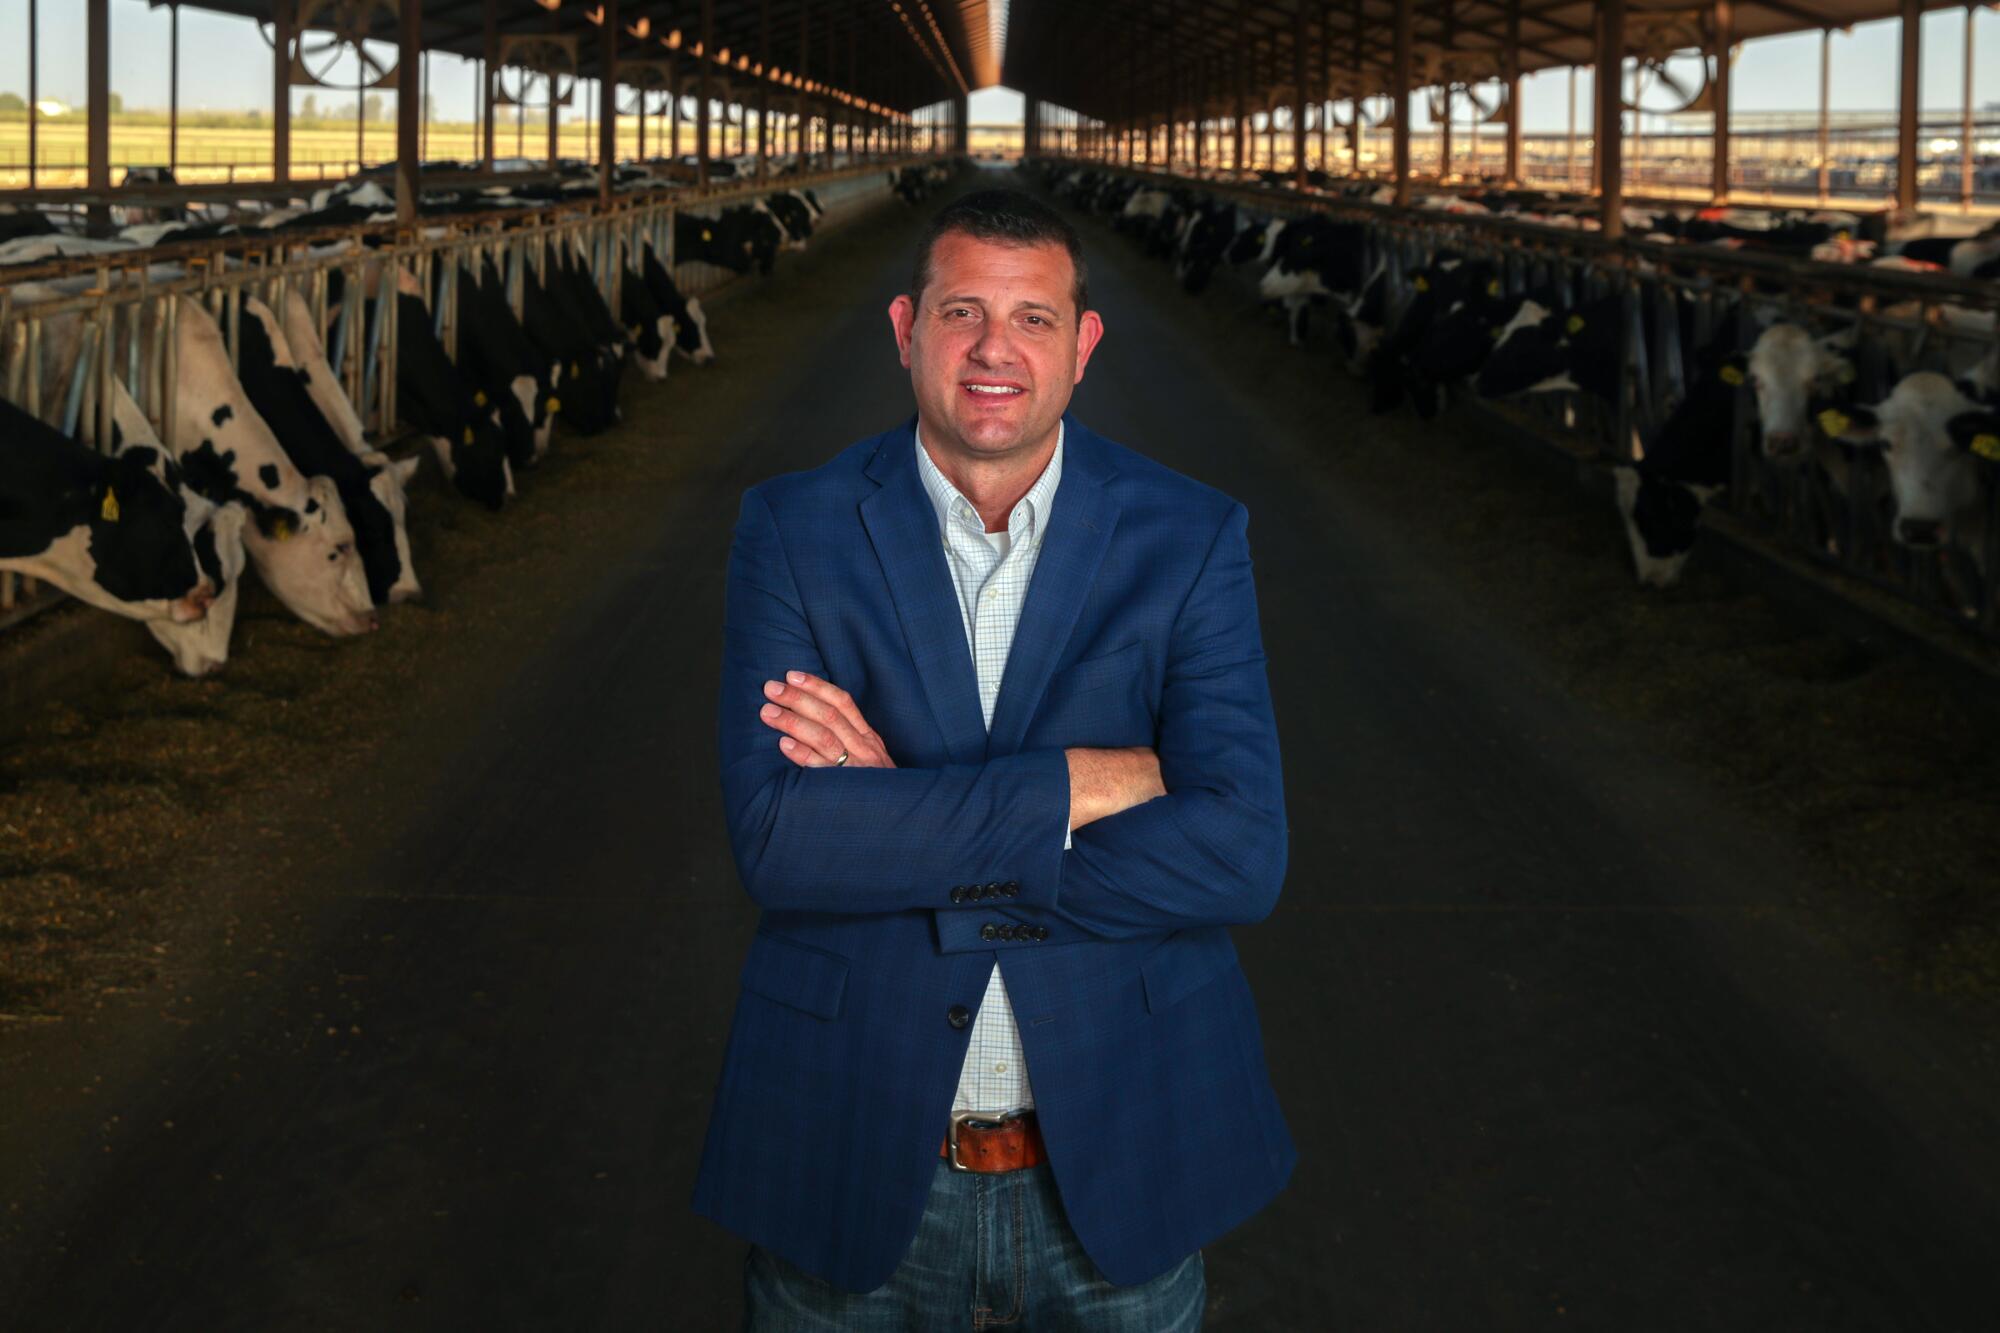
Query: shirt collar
{"x": 946, "y": 500}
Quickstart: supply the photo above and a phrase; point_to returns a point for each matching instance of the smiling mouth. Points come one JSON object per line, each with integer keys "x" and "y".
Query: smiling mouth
{"x": 994, "y": 390}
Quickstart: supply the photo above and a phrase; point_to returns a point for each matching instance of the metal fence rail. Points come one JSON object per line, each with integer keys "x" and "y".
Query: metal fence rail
{"x": 119, "y": 312}
{"x": 1831, "y": 510}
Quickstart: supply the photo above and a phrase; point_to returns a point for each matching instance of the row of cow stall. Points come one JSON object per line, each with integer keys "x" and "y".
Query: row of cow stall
{"x": 173, "y": 413}
{"x": 1829, "y": 384}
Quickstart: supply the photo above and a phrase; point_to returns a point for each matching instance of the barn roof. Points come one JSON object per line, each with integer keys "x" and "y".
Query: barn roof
{"x": 1177, "y": 54}
{"x": 898, "y": 54}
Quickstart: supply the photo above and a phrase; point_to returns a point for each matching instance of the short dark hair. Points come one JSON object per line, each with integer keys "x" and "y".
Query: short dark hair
{"x": 1011, "y": 218}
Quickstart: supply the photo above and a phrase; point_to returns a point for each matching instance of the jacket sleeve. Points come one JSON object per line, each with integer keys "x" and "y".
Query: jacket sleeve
{"x": 861, "y": 840}
{"x": 1213, "y": 850}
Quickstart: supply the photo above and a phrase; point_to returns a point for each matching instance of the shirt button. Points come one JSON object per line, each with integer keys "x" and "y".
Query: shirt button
{"x": 958, "y": 1016}
{"x": 1000, "y": 1068}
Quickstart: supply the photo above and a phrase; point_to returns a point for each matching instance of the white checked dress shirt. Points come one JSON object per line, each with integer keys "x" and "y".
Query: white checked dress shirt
{"x": 990, "y": 571}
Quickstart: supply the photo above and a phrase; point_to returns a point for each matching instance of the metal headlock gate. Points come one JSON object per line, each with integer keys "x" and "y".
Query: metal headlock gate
{"x": 1792, "y": 503}
{"x": 123, "y": 315}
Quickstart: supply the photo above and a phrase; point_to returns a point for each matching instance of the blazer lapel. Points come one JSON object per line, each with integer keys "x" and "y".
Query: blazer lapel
{"x": 903, "y": 527}
{"x": 1079, "y": 531}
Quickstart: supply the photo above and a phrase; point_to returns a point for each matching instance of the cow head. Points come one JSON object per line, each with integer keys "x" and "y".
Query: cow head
{"x": 202, "y": 647}
{"x": 1789, "y": 370}
{"x": 308, "y": 560}
{"x": 1932, "y": 439}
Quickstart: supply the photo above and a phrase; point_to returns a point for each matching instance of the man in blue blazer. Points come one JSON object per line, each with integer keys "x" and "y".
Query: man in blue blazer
{"x": 1000, "y": 770}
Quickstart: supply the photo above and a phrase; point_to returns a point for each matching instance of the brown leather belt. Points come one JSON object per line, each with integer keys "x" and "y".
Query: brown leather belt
{"x": 993, "y": 1143}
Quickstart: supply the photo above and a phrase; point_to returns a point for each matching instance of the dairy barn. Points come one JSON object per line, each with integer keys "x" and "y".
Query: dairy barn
{"x": 1569, "y": 891}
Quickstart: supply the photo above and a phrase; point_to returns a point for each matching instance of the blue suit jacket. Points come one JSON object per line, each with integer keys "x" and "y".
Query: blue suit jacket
{"x": 1142, "y": 1044}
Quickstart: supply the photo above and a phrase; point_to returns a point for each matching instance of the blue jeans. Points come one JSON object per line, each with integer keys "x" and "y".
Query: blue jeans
{"x": 992, "y": 1252}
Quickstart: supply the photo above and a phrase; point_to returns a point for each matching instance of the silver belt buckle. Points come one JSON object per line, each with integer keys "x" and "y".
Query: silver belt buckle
{"x": 979, "y": 1120}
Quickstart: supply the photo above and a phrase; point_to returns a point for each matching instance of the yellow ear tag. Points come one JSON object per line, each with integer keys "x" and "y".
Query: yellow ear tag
{"x": 1493, "y": 287}
{"x": 1834, "y": 421}
{"x": 555, "y": 404}
{"x": 574, "y": 370}
{"x": 1987, "y": 446}
{"x": 479, "y": 397}
{"x": 707, "y": 235}
{"x": 1422, "y": 283}
{"x": 1575, "y": 324}
{"x": 109, "y": 510}
{"x": 283, "y": 531}
{"x": 468, "y": 435}
{"x": 1731, "y": 375}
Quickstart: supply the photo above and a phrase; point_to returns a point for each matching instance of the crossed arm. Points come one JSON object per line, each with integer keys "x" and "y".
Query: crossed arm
{"x": 1189, "y": 832}
{"x": 821, "y": 724}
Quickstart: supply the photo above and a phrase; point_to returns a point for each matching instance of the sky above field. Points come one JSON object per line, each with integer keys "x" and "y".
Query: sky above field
{"x": 225, "y": 65}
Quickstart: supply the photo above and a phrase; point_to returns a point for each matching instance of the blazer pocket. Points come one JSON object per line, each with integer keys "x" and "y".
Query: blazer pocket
{"x": 1112, "y": 668}
{"x": 1189, "y": 960}
{"x": 796, "y": 974}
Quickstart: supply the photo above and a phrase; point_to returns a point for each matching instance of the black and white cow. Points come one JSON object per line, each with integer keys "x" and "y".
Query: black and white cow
{"x": 1939, "y": 447}
{"x": 198, "y": 647}
{"x": 497, "y": 354}
{"x": 298, "y": 536}
{"x": 1660, "y": 498}
{"x": 690, "y": 321}
{"x": 647, "y": 324}
{"x": 1313, "y": 259}
{"x": 562, "y": 309}
{"x": 114, "y": 532}
{"x": 1544, "y": 350}
{"x": 445, "y": 407}
{"x": 280, "y": 389}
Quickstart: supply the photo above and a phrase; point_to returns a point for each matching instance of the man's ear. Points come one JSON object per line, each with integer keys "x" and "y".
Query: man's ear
{"x": 1089, "y": 332}
{"x": 903, "y": 319}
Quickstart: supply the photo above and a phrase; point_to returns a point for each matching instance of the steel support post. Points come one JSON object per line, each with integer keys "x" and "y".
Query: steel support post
{"x": 1609, "y": 85}
{"x": 1512, "y": 65}
{"x": 1399, "y": 82}
{"x": 1360, "y": 82}
{"x": 1299, "y": 95}
{"x": 97, "y": 135}
{"x": 281, "y": 90}
{"x": 702, "y": 113}
{"x": 805, "y": 53}
{"x": 1908, "y": 99}
{"x": 607, "y": 106}
{"x": 1965, "y": 117}
{"x": 1725, "y": 37}
{"x": 487, "y": 73}
{"x": 410, "y": 109}
{"x": 763, "y": 87}
{"x": 174, "y": 89}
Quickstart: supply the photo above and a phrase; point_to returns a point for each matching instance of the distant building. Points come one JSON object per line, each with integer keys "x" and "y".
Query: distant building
{"x": 49, "y": 106}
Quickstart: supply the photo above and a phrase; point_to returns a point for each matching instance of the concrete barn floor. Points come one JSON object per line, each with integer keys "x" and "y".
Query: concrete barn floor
{"x": 437, "y": 1008}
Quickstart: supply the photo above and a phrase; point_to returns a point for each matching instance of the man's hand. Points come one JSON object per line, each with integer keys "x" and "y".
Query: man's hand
{"x": 1104, "y": 782}
{"x": 820, "y": 724}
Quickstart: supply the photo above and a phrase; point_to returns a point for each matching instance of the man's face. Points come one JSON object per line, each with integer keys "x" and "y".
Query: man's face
{"x": 993, "y": 344}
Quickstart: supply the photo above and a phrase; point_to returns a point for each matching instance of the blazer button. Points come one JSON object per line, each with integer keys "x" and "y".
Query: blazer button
{"x": 1011, "y": 889}
{"x": 995, "y": 889}
{"x": 989, "y": 931}
{"x": 958, "y": 893}
{"x": 1041, "y": 932}
{"x": 958, "y": 1015}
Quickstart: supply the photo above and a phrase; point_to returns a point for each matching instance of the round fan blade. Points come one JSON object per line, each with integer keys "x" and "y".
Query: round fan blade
{"x": 1673, "y": 84}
